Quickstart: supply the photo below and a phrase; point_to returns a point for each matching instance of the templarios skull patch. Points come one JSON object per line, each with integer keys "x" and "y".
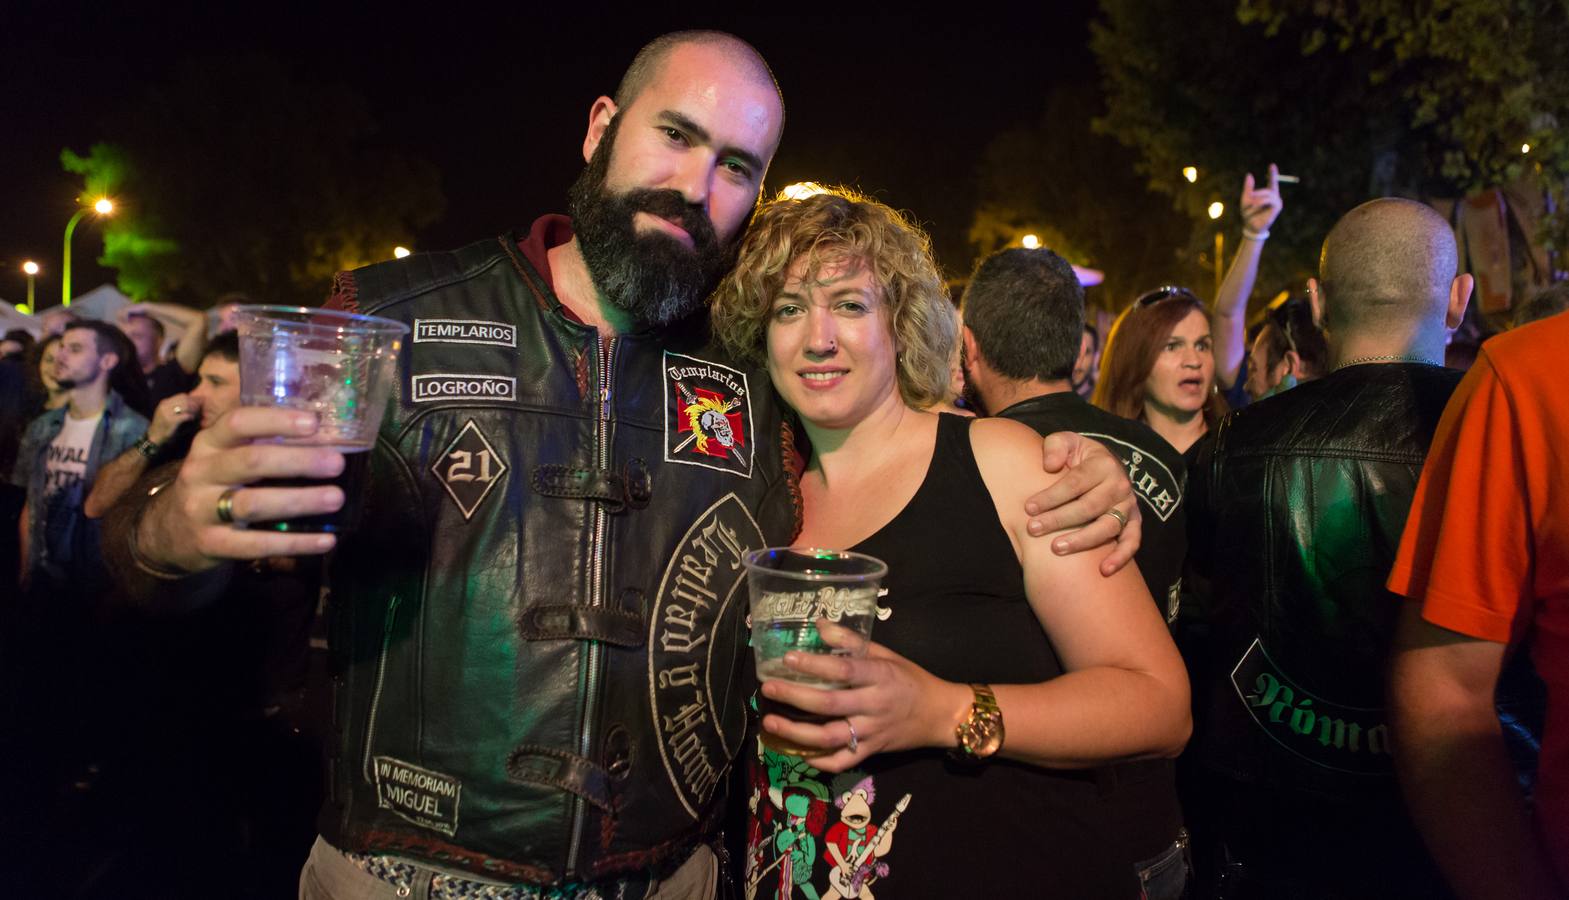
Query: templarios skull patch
{"x": 708, "y": 415}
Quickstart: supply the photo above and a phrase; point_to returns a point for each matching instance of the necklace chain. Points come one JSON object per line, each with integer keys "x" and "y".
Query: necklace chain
{"x": 1368, "y": 359}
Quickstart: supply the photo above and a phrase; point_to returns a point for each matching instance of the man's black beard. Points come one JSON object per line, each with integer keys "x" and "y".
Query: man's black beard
{"x": 653, "y": 276}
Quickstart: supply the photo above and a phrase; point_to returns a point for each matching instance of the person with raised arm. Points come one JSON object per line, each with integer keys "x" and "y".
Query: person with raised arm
{"x": 1260, "y": 206}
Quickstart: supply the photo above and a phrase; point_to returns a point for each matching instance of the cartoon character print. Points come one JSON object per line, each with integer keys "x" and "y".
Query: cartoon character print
{"x": 790, "y": 811}
{"x": 854, "y": 847}
{"x": 786, "y": 826}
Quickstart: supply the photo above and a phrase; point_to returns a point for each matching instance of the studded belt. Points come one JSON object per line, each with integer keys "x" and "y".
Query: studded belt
{"x": 402, "y": 876}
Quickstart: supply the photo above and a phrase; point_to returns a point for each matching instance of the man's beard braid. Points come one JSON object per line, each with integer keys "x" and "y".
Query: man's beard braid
{"x": 653, "y": 276}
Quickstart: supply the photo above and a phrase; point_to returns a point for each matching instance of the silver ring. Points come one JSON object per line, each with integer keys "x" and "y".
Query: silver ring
{"x": 855, "y": 743}
{"x": 178, "y": 409}
{"x": 226, "y": 506}
{"x": 1120, "y": 516}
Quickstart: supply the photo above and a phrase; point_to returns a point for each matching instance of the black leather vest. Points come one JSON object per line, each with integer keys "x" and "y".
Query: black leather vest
{"x": 1295, "y": 513}
{"x": 539, "y": 625}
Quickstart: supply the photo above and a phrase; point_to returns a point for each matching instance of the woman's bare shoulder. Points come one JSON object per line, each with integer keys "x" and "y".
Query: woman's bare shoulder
{"x": 1010, "y": 456}
{"x": 1005, "y": 440}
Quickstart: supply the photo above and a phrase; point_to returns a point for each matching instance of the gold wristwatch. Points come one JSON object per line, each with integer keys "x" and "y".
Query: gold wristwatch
{"x": 980, "y": 735}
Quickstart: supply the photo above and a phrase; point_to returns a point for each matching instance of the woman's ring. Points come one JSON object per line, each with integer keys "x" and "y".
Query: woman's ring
{"x": 178, "y": 410}
{"x": 1120, "y": 516}
{"x": 226, "y": 506}
{"x": 854, "y": 744}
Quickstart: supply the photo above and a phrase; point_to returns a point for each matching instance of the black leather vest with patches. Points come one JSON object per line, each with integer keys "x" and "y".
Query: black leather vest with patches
{"x": 538, "y": 625}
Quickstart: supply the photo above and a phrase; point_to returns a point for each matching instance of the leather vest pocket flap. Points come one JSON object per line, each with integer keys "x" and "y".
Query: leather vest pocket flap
{"x": 554, "y": 622}
{"x": 563, "y": 771}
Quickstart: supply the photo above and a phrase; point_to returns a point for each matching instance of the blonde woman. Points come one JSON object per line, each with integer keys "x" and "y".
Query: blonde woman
{"x": 984, "y": 723}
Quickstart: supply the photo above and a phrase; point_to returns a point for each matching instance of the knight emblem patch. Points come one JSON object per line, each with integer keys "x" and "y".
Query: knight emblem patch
{"x": 708, "y": 415}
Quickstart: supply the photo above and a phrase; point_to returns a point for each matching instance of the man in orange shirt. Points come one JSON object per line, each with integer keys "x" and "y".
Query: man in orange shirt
{"x": 1485, "y": 563}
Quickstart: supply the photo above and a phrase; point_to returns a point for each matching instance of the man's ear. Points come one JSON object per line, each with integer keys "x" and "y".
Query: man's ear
{"x": 599, "y": 116}
{"x": 1316, "y": 302}
{"x": 1293, "y": 362}
{"x": 972, "y": 350}
{"x": 107, "y": 361}
{"x": 1459, "y": 296}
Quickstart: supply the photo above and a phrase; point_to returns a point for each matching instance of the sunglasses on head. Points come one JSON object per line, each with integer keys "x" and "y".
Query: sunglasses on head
{"x": 1285, "y": 317}
{"x": 1164, "y": 292}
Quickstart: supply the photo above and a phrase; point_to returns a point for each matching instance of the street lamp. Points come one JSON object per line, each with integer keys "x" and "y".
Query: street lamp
{"x": 103, "y": 208}
{"x": 1031, "y": 242}
{"x": 400, "y": 252}
{"x": 1190, "y": 173}
{"x": 31, "y": 269}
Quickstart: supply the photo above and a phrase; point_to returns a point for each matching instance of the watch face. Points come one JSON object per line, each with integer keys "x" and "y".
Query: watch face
{"x": 981, "y": 734}
{"x": 991, "y": 739}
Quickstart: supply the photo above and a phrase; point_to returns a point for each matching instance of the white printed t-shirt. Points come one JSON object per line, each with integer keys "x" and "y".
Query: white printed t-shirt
{"x": 65, "y": 462}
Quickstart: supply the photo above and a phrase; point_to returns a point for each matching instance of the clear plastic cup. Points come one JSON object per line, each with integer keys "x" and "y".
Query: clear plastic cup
{"x": 337, "y": 365}
{"x": 791, "y": 589}
{"x": 340, "y": 366}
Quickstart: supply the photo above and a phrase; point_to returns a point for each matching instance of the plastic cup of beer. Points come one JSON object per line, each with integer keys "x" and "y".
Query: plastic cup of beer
{"x": 791, "y": 589}
{"x": 339, "y": 366}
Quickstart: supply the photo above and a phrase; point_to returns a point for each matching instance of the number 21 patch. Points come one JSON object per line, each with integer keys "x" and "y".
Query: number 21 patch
{"x": 469, "y": 468}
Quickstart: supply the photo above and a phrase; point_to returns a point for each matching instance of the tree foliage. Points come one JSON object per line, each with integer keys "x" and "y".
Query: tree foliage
{"x": 1480, "y": 78}
{"x": 137, "y": 256}
{"x": 235, "y": 175}
{"x": 1079, "y": 192}
{"x": 1360, "y": 99}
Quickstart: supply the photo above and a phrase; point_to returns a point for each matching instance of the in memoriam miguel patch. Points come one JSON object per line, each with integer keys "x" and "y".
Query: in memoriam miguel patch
{"x": 423, "y": 797}
{"x": 696, "y": 644}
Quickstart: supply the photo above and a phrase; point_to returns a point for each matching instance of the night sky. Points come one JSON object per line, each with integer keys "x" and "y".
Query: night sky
{"x": 497, "y": 99}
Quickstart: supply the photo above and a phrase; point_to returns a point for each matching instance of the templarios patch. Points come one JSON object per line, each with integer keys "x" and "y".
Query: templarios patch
{"x": 430, "y": 388}
{"x": 428, "y": 799}
{"x": 465, "y": 331}
{"x": 469, "y": 468}
{"x": 708, "y": 415}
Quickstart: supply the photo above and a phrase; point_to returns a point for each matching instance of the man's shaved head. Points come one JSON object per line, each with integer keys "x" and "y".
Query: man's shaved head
{"x": 646, "y": 65}
{"x": 1387, "y": 263}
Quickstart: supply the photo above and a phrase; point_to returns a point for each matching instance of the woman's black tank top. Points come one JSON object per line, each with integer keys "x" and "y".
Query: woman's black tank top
{"x": 956, "y": 606}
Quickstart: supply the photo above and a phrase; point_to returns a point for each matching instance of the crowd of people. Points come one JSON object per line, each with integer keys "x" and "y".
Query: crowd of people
{"x": 1197, "y": 610}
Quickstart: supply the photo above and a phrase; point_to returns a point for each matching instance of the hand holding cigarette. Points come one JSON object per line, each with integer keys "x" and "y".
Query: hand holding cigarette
{"x": 1260, "y": 206}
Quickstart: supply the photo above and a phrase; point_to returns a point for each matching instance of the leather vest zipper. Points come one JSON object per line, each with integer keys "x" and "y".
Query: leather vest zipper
{"x": 375, "y": 697}
{"x": 596, "y": 596}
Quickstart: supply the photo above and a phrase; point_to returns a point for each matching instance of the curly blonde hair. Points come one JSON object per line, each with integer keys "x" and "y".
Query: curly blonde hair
{"x": 825, "y": 229}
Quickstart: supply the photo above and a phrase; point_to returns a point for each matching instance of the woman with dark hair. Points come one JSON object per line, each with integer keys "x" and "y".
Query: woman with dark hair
{"x": 994, "y": 720}
{"x": 126, "y": 379}
{"x": 44, "y": 393}
{"x": 1159, "y": 367}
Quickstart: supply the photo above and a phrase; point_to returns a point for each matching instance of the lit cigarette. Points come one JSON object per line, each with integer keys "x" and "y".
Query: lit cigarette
{"x": 1288, "y": 179}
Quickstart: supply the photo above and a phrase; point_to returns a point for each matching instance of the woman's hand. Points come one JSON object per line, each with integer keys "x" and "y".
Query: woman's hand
{"x": 892, "y": 703}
